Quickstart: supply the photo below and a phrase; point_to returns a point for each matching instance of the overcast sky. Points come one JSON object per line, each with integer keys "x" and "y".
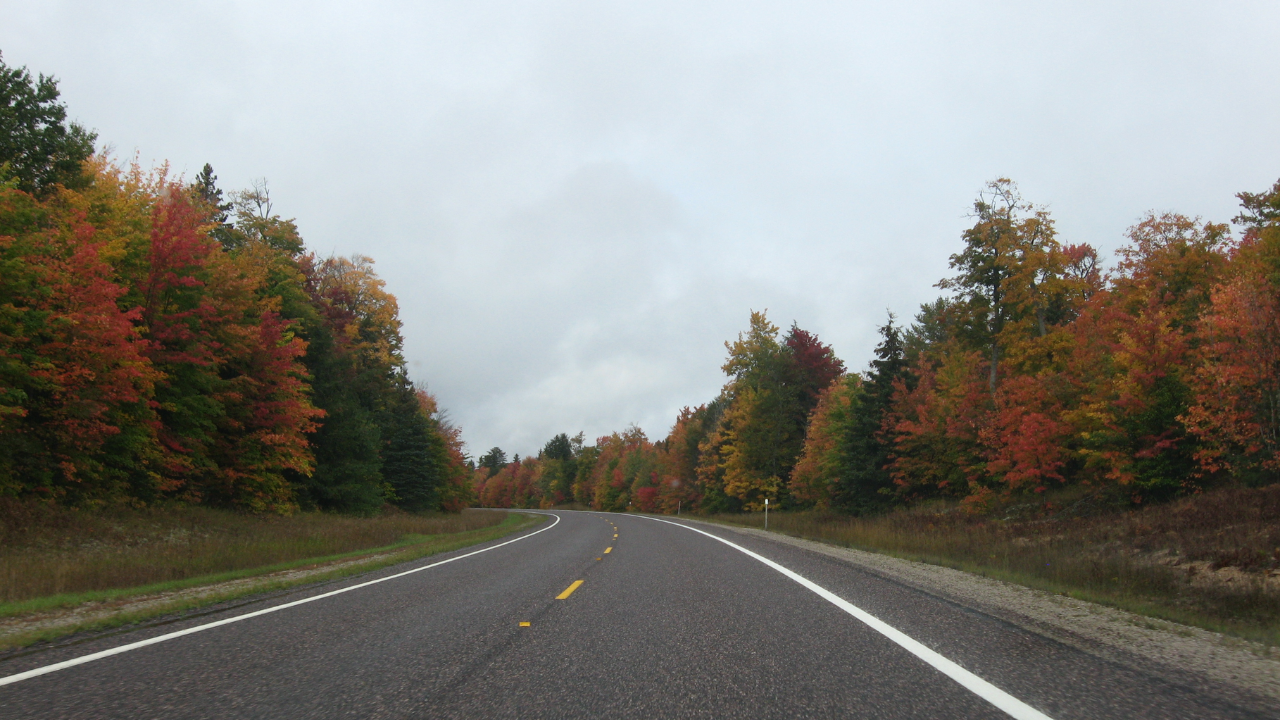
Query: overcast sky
{"x": 577, "y": 203}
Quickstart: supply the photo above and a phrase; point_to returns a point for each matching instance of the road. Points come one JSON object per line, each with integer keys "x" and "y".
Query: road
{"x": 604, "y": 616}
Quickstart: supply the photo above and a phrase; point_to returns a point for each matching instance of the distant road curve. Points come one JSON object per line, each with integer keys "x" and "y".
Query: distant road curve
{"x": 599, "y": 615}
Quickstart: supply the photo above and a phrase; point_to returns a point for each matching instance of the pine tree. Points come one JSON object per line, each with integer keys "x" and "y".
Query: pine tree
{"x": 863, "y": 446}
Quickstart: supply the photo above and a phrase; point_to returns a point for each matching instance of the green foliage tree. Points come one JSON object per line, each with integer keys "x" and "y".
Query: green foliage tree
{"x": 207, "y": 194}
{"x": 493, "y": 460}
{"x": 415, "y": 459}
{"x": 558, "y": 448}
{"x": 863, "y": 446}
{"x": 559, "y": 468}
{"x": 39, "y": 149}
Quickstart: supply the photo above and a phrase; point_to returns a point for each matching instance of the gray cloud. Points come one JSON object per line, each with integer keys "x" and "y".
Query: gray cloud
{"x": 577, "y": 203}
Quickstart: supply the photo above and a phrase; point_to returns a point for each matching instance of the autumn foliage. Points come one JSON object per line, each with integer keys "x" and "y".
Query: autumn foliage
{"x": 1037, "y": 368}
{"x": 159, "y": 343}
{"x": 141, "y": 358}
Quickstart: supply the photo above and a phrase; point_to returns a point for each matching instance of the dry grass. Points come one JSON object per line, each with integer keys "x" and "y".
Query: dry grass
{"x": 1209, "y": 560}
{"x": 47, "y": 551}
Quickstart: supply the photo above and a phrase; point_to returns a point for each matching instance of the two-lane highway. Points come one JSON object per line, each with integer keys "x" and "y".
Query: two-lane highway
{"x": 598, "y": 615}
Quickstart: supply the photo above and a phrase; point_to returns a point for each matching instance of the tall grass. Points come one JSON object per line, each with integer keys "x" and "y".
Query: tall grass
{"x": 46, "y": 550}
{"x": 1209, "y": 560}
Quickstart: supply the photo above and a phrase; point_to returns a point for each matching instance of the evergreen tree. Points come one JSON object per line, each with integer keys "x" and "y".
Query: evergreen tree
{"x": 205, "y": 189}
{"x": 558, "y": 448}
{"x": 415, "y": 458}
{"x": 348, "y": 473}
{"x": 559, "y": 464}
{"x": 493, "y": 461}
{"x": 862, "y": 445}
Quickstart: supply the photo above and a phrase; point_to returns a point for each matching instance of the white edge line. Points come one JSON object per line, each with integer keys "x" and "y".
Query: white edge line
{"x": 983, "y": 689}
{"x": 19, "y": 677}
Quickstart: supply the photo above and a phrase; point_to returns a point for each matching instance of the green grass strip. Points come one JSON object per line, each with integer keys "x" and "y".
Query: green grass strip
{"x": 412, "y": 548}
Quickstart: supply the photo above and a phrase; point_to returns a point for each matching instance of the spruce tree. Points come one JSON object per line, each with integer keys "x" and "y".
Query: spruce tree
{"x": 864, "y": 447}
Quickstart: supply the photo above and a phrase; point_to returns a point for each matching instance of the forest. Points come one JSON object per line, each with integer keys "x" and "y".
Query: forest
{"x": 163, "y": 341}
{"x": 1037, "y": 369}
{"x": 166, "y": 340}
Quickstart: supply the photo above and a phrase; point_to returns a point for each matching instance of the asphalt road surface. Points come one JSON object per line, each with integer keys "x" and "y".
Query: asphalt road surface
{"x": 598, "y": 615}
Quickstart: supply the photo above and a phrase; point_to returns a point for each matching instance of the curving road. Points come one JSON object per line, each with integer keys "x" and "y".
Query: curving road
{"x": 604, "y": 616}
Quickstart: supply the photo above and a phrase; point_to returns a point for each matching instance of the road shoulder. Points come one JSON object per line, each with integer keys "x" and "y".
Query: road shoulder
{"x": 1102, "y": 631}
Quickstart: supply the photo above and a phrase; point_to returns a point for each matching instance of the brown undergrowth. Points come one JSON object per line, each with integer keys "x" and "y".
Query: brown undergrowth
{"x": 47, "y": 550}
{"x": 1211, "y": 560}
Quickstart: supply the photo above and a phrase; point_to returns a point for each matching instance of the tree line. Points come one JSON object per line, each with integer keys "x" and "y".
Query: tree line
{"x": 163, "y": 340}
{"x": 1037, "y": 368}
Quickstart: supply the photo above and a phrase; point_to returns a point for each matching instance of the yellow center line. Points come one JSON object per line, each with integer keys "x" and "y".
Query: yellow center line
{"x": 569, "y": 590}
{"x": 524, "y": 624}
{"x": 615, "y": 534}
{"x": 608, "y": 550}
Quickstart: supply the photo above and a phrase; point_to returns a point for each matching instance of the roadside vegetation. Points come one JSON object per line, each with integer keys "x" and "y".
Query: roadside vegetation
{"x": 1210, "y": 560}
{"x": 163, "y": 341}
{"x": 1038, "y": 370}
{"x": 52, "y": 556}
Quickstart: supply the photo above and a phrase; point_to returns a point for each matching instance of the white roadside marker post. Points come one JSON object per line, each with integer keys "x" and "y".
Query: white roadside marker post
{"x": 766, "y": 513}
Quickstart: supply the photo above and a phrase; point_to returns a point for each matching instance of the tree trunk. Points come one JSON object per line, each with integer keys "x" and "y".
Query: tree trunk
{"x": 995, "y": 359}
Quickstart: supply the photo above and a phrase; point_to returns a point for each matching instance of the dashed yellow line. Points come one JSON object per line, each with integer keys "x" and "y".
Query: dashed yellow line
{"x": 569, "y": 590}
{"x": 524, "y": 624}
{"x": 608, "y": 550}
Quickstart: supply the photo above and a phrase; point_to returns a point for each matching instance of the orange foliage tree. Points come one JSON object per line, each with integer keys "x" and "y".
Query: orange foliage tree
{"x": 74, "y": 380}
{"x": 1236, "y": 412}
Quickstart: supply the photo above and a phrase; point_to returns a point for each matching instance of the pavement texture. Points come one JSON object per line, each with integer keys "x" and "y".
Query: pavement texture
{"x": 668, "y": 623}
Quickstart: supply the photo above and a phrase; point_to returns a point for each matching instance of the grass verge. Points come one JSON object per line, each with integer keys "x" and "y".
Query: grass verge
{"x": 48, "y": 618}
{"x": 47, "y": 551}
{"x": 1209, "y": 560}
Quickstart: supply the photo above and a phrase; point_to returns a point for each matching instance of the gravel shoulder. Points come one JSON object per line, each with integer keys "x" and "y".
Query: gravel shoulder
{"x": 1102, "y": 631}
